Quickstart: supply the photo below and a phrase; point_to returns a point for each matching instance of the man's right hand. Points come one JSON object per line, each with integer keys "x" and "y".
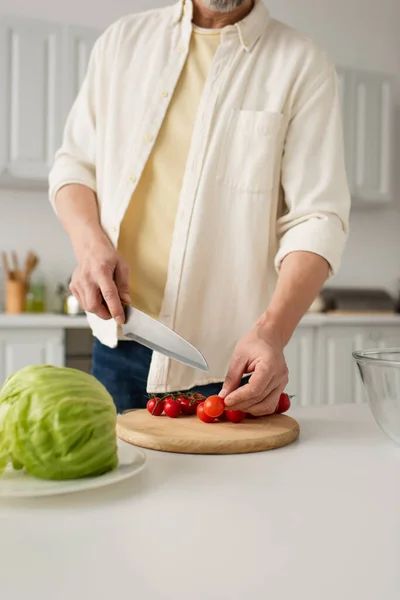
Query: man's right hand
{"x": 100, "y": 282}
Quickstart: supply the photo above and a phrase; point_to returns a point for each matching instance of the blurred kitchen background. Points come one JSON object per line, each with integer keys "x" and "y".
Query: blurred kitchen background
{"x": 44, "y": 48}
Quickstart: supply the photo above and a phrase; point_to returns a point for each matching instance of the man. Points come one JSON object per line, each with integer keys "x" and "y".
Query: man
{"x": 202, "y": 157}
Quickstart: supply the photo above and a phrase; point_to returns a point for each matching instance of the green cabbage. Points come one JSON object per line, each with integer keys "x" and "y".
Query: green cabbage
{"x": 57, "y": 423}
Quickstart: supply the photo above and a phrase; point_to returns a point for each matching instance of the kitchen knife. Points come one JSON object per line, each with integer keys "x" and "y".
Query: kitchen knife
{"x": 149, "y": 332}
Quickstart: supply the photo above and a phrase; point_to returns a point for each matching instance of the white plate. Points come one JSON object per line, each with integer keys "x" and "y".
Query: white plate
{"x": 14, "y": 484}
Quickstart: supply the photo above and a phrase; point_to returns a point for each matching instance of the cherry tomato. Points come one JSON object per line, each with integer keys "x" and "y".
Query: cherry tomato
{"x": 188, "y": 404}
{"x": 202, "y": 415}
{"x": 214, "y": 406}
{"x": 235, "y": 416}
{"x": 155, "y": 406}
{"x": 222, "y": 417}
{"x": 172, "y": 408}
{"x": 283, "y": 405}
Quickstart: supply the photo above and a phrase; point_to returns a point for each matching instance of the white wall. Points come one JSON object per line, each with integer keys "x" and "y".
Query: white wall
{"x": 357, "y": 34}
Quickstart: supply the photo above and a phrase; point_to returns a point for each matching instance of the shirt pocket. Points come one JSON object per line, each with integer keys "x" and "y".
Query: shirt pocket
{"x": 249, "y": 150}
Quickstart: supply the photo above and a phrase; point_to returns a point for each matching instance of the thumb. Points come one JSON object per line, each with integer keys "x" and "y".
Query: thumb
{"x": 122, "y": 282}
{"x": 234, "y": 376}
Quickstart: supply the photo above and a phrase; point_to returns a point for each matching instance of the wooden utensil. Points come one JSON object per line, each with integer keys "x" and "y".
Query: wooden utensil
{"x": 31, "y": 263}
{"x": 14, "y": 261}
{"x": 17, "y": 280}
{"x": 6, "y": 266}
{"x": 189, "y": 435}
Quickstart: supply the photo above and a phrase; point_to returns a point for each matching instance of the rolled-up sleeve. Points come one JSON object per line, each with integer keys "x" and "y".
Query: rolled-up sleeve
{"x": 75, "y": 161}
{"x": 315, "y": 214}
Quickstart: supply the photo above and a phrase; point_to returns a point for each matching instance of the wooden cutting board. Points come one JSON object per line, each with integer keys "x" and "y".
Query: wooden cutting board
{"x": 189, "y": 435}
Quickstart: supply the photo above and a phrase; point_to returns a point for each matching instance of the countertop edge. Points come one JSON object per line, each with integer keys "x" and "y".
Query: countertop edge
{"x": 40, "y": 321}
{"x": 33, "y": 321}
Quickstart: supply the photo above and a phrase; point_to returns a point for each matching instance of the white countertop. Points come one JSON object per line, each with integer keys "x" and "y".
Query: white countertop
{"x": 27, "y": 320}
{"x": 43, "y": 321}
{"x": 318, "y": 520}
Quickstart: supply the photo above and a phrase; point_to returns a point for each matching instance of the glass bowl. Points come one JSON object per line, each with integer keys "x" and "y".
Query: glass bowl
{"x": 380, "y": 374}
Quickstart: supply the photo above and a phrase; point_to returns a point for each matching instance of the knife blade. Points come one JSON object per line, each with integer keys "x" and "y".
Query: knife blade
{"x": 153, "y": 334}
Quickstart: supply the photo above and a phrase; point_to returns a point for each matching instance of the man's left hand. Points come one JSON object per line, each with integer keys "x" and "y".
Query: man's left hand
{"x": 261, "y": 354}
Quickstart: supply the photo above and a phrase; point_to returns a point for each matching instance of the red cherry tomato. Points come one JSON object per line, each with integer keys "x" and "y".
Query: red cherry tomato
{"x": 188, "y": 404}
{"x": 172, "y": 408}
{"x": 235, "y": 416}
{"x": 222, "y": 417}
{"x": 202, "y": 415}
{"x": 155, "y": 406}
{"x": 214, "y": 406}
{"x": 283, "y": 405}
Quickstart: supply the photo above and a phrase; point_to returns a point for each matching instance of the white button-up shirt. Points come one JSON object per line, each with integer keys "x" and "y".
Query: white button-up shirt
{"x": 265, "y": 173}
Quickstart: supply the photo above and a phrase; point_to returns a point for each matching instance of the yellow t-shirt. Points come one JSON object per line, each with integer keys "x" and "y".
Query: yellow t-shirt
{"x": 147, "y": 228}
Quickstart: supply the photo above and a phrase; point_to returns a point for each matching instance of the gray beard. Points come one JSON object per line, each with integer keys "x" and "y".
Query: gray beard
{"x": 223, "y": 6}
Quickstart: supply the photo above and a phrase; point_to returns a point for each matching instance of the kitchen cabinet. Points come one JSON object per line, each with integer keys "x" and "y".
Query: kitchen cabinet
{"x": 78, "y": 349}
{"x": 368, "y": 122}
{"x": 337, "y": 374}
{"x": 42, "y": 66}
{"x": 79, "y": 42}
{"x": 386, "y": 337}
{"x": 31, "y": 97}
{"x": 299, "y": 356}
{"x": 20, "y": 348}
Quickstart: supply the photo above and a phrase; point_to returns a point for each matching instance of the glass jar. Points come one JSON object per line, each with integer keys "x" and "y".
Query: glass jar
{"x": 36, "y": 296}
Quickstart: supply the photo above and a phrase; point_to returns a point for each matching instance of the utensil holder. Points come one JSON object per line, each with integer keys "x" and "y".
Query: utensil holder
{"x": 15, "y": 296}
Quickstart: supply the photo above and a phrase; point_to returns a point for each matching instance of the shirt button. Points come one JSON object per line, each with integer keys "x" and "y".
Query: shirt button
{"x": 164, "y": 94}
{"x": 113, "y": 230}
{"x": 149, "y": 138}
{"x": 132, "y": 179}
{"x": 182, "y": 49}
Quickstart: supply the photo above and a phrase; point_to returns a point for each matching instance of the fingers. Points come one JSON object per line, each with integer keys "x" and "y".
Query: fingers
{"x": 267, "y": 406}
{"x": 253, "y": 392}
{"x": 121, "y": 278}
{"x": 94, "y": 302}
{"x": 75, "y": 292}
{"x": 103, "y": 289}
{"x": 234, "y": 376}
{"x": 260, "y": 396}
{"x": 109, "y": 292}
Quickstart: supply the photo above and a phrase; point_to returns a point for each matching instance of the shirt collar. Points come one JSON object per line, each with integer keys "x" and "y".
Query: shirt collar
{"x": 249, "y": 29}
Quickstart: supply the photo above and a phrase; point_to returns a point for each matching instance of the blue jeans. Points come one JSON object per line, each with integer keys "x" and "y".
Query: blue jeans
{"x": 124, "y": 371}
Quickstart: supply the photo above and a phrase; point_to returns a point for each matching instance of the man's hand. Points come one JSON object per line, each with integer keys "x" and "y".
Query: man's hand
{"x": 100, "y": 281}
{"x": 261, "y": 354}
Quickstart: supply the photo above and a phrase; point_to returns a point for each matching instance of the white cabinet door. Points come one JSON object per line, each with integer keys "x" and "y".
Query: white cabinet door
{"x": 346, "y": 99}
{"x": 338, "y": 378}
{"x": 3, "y": 99}
{"x": 388, "y": 337}
{"x": 368, "y": 121}
{"x": 373, "y": 122}
{"x": 30, "y": 108}
{"x": 79, "y": 42}
{"x": 299, "y": 356}
{"x": 22, "y": 348}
